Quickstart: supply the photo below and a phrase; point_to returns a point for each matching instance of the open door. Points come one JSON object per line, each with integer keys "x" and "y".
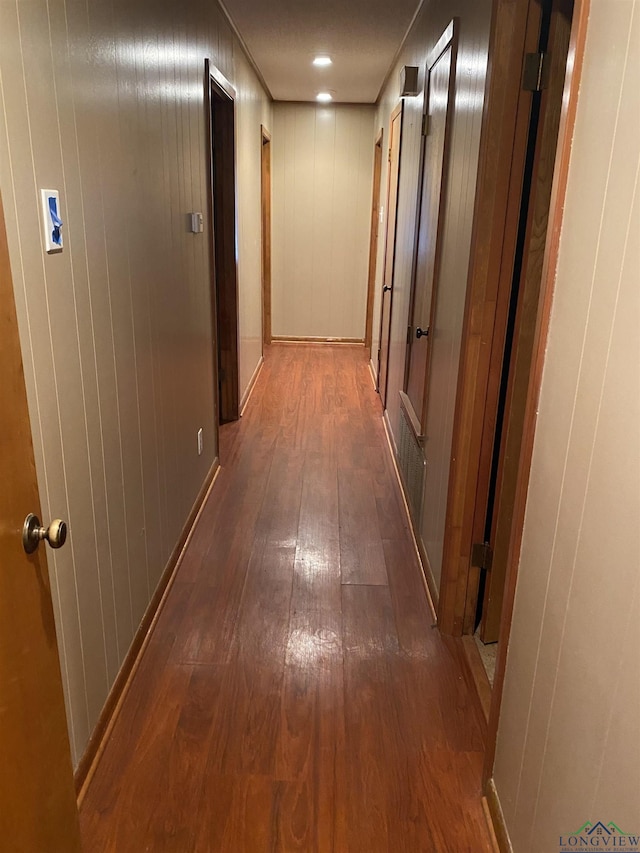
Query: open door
{"x": 530, "y": 69}
{"x": 393, "y": 178}
{"x": 542, "y": 96}
{"x": 37, "y": 796}
{"x": 220, "y": 102}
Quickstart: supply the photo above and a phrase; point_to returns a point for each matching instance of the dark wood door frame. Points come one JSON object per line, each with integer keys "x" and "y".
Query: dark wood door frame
{"x": 556, "y": 210}
{"x": 513, "y": 358}
{"x": 265, "y": 209}
{"x": 221, "y": 156}
{"x": 373, "y": 240}
{"x": 503, "y": 147}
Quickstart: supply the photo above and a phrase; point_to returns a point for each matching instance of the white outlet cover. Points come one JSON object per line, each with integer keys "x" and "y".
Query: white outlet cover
{"x": 51, "y": 221}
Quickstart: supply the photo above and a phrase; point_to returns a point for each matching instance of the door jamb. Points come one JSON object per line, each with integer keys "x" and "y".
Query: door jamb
{"x": 373, "y": 240}
{"x": 224, "y": 283}
{"x": 265, "y": 208}
{"x": 397, "y": 110}
{"x": 556, "y": 210}
{"x": 502, "y": 147}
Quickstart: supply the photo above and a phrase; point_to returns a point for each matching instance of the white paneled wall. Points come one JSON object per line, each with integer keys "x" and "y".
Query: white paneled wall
{"x": 322, "y": 183}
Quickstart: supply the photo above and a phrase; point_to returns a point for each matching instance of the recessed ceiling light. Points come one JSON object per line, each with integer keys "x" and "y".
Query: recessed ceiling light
{"x": 322, "y": 60}
{"x": 324, "y": 97}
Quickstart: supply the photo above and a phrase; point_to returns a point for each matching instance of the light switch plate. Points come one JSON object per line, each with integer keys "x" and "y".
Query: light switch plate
{"x": 197, "y": 223}
{"x": 51, "y": 221}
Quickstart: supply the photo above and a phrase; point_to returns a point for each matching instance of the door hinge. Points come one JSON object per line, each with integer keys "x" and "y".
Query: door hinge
{"x": 425, "y": 124}
{"x": 535, "y": 74}
{"x": 389, "y": 156}
{"x": 482, "y": 556}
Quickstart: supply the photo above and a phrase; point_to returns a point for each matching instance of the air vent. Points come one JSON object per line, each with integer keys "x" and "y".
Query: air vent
{"x": 413, "y": 466}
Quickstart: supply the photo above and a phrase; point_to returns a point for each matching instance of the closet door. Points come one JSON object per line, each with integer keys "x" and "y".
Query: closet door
{"x": 422, "y": 333}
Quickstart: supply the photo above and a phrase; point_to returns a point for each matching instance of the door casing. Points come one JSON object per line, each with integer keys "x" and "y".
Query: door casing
{"x": 373, "y": 239}
{"x": 221, "y": 147}
{"x": 265, "y": 213}
{"x": 386, "y": 302}
{"x": 512, "y": 358}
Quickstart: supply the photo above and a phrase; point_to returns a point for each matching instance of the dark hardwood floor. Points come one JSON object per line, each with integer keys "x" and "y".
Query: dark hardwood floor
{"x": 294, "y": 695}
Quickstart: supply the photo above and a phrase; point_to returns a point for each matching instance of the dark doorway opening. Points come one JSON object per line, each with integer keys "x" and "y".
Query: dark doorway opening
{"x": 220, "y": 97}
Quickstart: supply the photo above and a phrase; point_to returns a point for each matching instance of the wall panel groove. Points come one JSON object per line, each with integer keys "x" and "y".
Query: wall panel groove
{"x": 104, "y": 102}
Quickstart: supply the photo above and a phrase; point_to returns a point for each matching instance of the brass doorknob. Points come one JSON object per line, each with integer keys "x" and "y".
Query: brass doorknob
{"x": 33, "y": 533}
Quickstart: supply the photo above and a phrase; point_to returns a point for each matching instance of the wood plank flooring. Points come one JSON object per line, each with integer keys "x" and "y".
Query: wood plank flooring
{"x": 294, "y": 695}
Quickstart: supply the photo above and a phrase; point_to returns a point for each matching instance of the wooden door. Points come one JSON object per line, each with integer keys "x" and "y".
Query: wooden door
{"x": 373, "y": 239}
{"x": 37, "y": 797}
{"x": 438, "y": 98}
{"x": 393, "y": 178}
{"x": 516, "y": 358}
{"x": 265, "y": 195}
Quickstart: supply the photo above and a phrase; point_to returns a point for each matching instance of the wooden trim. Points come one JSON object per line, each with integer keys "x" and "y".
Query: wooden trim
{"x": 291, "y": 339}
{"x": 478, "y": 673}
{"x": 221, "y": 135}
{"x": 502, "y": 152}
{"x": 492, "y": 834}
{"x": 221, "y": 81}
{"x": 373, "y": 239}
{"x": 251, "y": 385}
{"x": 211, "y": 252}
{"x": 558, "y": 192}
{"x": 265, "y": 212}
{"x": 398, "y": 111}
{"x": 495, "y": 818}
{"x": 514, "y": 343}
{"x": 442, "y": 44}
{"x": 100, "y": 736}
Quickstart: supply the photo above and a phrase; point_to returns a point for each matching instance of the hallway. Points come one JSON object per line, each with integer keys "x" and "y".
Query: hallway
{"x": 293, "y": 695}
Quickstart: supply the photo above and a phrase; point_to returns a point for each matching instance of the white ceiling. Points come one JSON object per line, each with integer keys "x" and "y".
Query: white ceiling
{"x": 361, "y": 36}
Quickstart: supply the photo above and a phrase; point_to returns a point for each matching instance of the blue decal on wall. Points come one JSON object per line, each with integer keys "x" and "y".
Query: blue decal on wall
{"x": 56, "y": 236}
